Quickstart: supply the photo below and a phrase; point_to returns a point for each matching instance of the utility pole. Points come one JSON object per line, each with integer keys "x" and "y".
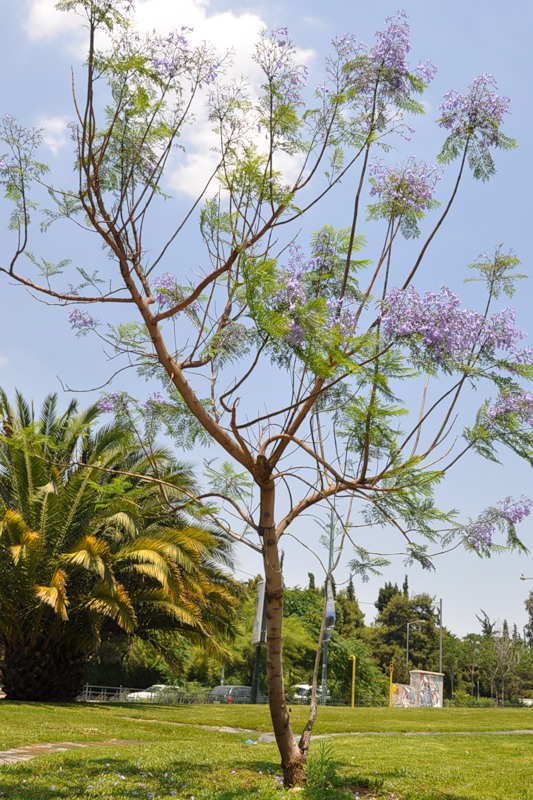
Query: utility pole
{"x": 440, "y": 635}
{"x": 330, "y": 611}
{"x": 258, "y": 636}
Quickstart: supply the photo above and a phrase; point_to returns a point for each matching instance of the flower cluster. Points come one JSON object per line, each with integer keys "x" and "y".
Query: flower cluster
{"x": 165, "y": 290}
{"x": 275, "y": 54}
{"x": 347, "y": 50}
{"x": 81, "y": 321}
{"x": 307, "y": 279}
{"x": 347, "y": 47}
{"x": 444, "y": 330}
{"x": 392, "y": 47}
{"x": 514, "y": 511}
{"x": 154, "y": 399}
{"x": 518, "y": 405}
{"x": 480, "y": 533}
{"x": 173, "y": 55}
{"x": 386, "y": 62}
{"x": 404, "y": 189}
{"x": 113, "y": 403}
{"x": 344, "y": 318}
{"x": 296, "y": 333}
{"x": 292, "y": 295}
{"x": 480, "y": 112}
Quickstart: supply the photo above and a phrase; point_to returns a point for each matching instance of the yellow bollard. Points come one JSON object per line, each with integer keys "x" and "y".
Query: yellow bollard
{"x": 353, "y": 660}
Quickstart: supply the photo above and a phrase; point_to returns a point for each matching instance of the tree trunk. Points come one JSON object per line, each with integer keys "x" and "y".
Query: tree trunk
{"x": 41, "y": 673}
{"x": 292, "y": 759}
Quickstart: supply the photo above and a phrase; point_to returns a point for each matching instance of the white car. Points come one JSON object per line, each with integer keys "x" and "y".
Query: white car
{"x": 158, "y": 693}
{"x": 301, "y": 693}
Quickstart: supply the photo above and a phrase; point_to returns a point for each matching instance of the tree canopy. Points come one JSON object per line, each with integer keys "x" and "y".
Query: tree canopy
{"x": 290, "y": 354}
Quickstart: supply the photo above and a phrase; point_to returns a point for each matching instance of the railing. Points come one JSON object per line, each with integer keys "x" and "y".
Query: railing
{"x": 122, "y": 694}
{"x": 104, "y": 694}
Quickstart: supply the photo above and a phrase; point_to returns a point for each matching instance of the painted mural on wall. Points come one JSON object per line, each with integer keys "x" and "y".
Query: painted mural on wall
{"x": 425, "y": 690}
{"x": 403, "y": 695}
{"x": 428, "y": 688}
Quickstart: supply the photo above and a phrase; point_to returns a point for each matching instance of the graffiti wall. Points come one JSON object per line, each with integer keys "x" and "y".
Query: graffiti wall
{"x": 425, "y": 690}
{"x": 428, "y": 688}
{"x": 403, "y": 695}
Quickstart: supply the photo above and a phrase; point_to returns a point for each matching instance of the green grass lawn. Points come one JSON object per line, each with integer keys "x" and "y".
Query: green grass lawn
{"x": 185, "y": 761}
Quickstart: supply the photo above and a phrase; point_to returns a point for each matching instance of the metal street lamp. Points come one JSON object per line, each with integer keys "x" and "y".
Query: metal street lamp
{"x": 525, "y": 578}
{"x": 413, "y": 622}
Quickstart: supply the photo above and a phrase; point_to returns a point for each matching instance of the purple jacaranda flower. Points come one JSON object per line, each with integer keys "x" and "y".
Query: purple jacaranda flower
{"x": 348, "y": 47}
{"x": 480, "y": 533}
{"x": 171, "y": 54}
{"x": 306, "y": 281}
{"x": 292, "y": 293}
{"x": 403, "y": 189}
{"x": 295, "y": 334}
{"x": 519, "y": 405}
{"x": 478, "y": 113}
{"x": 385, "y": 64}
{"x": 280, "y": 36}
{"x": 112, "y": 403}
{"x": 515, "y": 511}
{"x": 286, "y": 78}
{"x": 165, "y": 289}
{"x": 343, "y": 318}
{"x": 437, "y": 323}
{"x": 81, "y": 321}
{"x": 154, "y": 399}
{"x": 392, "y": 47}
{"x": 168, "y": 293}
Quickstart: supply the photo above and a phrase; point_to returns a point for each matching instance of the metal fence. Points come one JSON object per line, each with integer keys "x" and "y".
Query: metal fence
{"x": 123, "y": 694}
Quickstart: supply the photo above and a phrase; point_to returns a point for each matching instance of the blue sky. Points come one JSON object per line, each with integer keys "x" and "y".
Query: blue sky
{"x": 38, "y": 352}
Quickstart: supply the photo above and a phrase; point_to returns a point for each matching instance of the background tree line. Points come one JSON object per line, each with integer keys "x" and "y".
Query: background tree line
{"x": 493, "y": 666}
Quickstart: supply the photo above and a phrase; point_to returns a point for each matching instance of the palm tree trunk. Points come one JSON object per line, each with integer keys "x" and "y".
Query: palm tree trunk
{"x": 41, "y": 672}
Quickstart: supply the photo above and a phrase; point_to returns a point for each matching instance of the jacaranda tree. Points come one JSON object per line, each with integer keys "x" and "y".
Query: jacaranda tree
{"x": 82, "y": 545}
{"x": 285, "y": 353}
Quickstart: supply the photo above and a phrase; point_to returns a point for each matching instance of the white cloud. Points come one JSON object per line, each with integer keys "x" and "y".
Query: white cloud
{"x": 55, "y": 132}
{"x": 43, "y": 22}
{"x": 225, "y": 31}
{"x": 4, "y": 360}
{"x": 314, "y": 22}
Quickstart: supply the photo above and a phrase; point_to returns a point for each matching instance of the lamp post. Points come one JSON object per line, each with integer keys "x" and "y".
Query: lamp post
{"x": 329, "y": 621}
{"x": 413, "y": 622}
{"x": 527, "y": 627}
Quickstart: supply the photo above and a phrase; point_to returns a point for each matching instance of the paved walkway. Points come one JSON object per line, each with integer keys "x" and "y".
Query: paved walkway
{"x": 33, "y": 750}
{"x": 30, "y": 751}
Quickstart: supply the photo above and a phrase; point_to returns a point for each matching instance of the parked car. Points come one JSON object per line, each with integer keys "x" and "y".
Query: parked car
{"x": 301, "y": 693}
{"x": 233, "y": 694}
{"x": 158, "y": 693}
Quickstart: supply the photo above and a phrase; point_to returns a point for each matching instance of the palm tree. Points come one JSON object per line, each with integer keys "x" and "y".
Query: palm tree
{"x": 87, "y": 537}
